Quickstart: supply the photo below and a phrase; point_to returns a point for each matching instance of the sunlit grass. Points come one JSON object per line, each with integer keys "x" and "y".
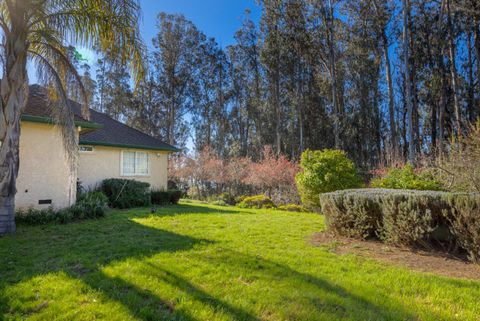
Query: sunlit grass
{"x": 201, "y": 262}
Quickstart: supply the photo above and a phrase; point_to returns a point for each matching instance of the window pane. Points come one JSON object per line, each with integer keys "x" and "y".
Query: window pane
{"x": 141, "y": 164}
{"x": 128, "y": 163}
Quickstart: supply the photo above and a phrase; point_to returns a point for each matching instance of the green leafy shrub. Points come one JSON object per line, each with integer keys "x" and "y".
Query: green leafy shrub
{"x": 126, "y": 193}
{"x": 162, "y": 197}
{"x": 406, "y": 217}
{"x": 175, "y": 196}
{"x": 293, "y": 208}
{"x": 90, "y": 205}
{"x": 240, "y": 199}
{"x": 257, "y": 201}
{"x": 324, "y": 171}
{"x": 226, "y": 198}
{"x": 406, "y": 178}
{"x": 219, "y": 203}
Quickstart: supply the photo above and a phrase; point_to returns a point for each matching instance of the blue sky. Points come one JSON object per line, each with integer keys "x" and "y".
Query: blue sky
{"x": 219, "y": 19}
{"x": 216, "y": 18}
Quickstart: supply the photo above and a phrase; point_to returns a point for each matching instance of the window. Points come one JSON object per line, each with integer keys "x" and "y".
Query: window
{"x": 134, "y": 163}
{"x": 85, "y": 149}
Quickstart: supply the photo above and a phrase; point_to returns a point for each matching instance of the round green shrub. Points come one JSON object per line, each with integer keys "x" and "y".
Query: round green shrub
{"x": 406, "y": 178}
{"x": 293, "y": 208}
{"x": 257, "y": 201}
{"x": 322, "y": 172}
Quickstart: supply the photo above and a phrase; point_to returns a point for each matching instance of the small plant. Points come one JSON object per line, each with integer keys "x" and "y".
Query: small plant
{"x": 293, "y": 208}
{"x": 125, "y": 193}
{"x": 322, "y": 172}
{"x": 407, "y": 178}
{"x": 257, "y": 201}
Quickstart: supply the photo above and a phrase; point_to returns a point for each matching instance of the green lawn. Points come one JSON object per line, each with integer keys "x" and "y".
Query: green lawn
{"x": 201, "y": 262}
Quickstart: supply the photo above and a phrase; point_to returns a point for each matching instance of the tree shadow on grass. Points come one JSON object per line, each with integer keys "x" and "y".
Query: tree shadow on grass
{"x": 81, "y": 251}
{"x": 323, "y": 297}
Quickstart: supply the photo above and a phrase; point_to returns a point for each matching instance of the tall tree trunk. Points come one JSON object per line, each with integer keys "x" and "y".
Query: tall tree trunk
{"x": 408, "y": 86}
{"x": 391, "y": 99}
{"x": 13, "y": 91}
{"x": 471, "y": 79}
{"x": 453, "y": 69}
{"x": 333, "y": 74}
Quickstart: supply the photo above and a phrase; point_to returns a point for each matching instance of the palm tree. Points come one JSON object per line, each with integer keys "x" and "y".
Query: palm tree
{"x": 40, "y": 31}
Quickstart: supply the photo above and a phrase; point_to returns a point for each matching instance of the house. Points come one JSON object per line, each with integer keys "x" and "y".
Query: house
{"x": 107, "y": 149}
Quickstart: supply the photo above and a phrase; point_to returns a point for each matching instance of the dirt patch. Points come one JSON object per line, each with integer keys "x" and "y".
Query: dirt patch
{"x": 424, "y": 261}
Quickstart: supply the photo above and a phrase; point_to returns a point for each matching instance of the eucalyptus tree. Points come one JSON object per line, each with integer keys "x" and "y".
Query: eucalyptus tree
{"x": 40, "y": 31}
{"x": 175, "y": 70}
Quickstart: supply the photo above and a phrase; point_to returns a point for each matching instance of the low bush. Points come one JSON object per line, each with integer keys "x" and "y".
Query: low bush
{"x": 89, "y": 205}
{"x": 126, "y": 193}
{"x": 160, "y": 197}
{"x": 406, "y": 217}
{"x": 293, "y": 208}
{"x": 407, "y": 178}
{"x": 164, "y": 197}
{"x": 175, "y": 196}
{"x": 219, "y": 203}
{"x": 322, "y": 172}
{"x": 257, "y": 201}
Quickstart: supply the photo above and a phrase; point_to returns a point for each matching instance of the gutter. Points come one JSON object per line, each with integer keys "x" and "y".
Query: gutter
{"x": 168, "y": 149}
{"x": 51, "y": 121}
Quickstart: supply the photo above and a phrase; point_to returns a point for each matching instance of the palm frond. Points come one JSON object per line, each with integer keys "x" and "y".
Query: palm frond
{"x": 59, "y": 104}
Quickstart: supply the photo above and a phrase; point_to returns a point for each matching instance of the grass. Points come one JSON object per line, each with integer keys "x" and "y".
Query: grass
{"x": 201, "y": 262}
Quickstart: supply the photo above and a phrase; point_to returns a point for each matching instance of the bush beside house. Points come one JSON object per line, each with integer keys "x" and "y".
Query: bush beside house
{"x": 126, "y": 193}
{"x": 89, "y": 205}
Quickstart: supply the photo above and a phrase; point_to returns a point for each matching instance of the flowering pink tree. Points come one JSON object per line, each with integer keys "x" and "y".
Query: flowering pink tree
{"x": 272, "y": 172}
{"x": 209, "y": 174}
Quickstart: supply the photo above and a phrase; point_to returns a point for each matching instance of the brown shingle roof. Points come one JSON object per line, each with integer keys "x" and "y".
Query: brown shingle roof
{"x": 112, "y": 132}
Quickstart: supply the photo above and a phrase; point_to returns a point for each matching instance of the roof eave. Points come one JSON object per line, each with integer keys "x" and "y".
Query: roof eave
{"x": 51, "y": 121}
{"x": 96, "y": 143}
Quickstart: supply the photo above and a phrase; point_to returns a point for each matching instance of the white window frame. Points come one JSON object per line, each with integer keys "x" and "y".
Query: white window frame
{"x": 86, "y": 151}
{"x": 135, "y": 157}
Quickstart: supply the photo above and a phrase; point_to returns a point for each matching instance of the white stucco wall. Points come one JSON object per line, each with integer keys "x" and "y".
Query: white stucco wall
{"x": 105, "y": 162}
{"x": 44, "y": 172}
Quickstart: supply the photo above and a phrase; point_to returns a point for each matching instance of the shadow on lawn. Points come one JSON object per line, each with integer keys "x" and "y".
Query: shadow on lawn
{"x": 187, "y": 208}
{"x": 81, "y": 250}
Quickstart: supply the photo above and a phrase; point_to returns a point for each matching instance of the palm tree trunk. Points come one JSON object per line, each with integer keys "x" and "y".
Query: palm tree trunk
{"x": 13, "y": 92}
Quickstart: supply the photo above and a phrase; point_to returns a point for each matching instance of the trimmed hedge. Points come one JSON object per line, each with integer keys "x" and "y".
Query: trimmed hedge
{"x": 406, "y": 217}
{"x": 257, "y": 201}
{"x": 126, "y": 193}
{"x": 161, "y": 197}
{"x": 89, "y": 205}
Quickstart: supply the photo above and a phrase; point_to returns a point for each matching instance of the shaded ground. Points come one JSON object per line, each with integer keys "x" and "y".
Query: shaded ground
{"x": 425, "y": 261}
{"x": 201, "y": 262}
